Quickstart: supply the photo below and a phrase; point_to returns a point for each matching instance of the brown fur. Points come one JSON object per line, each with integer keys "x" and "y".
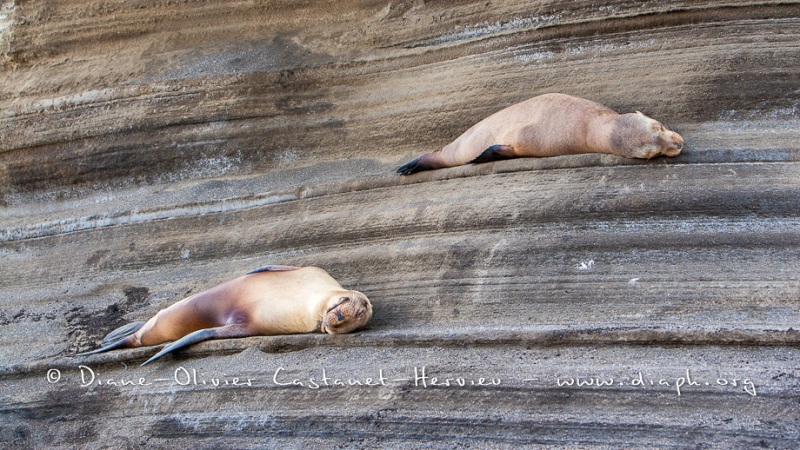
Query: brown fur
{"x": 269, "y": 301}
{"x": 552, "y": 125}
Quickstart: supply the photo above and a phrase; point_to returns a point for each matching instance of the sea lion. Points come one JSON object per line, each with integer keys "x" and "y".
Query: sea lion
{"x": 267, "y": 301}
{"x": 552, "y": 125}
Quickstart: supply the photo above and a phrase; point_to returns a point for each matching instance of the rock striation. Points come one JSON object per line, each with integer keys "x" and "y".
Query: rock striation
{"x": 151, "y": 149}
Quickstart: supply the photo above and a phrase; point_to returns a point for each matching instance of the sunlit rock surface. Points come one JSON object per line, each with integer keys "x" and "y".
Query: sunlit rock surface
{"x": 149, "y": 150}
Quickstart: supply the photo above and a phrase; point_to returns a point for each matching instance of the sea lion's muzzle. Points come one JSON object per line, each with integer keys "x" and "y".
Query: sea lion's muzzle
{"x": 677, "y": 142}
{"x": 348, "y": 313}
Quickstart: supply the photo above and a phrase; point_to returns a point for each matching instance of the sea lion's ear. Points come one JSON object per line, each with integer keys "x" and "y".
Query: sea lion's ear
{"x": 640, "y": 113}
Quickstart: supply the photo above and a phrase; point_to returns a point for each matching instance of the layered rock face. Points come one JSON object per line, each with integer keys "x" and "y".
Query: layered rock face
{"x": 149, "y": 150}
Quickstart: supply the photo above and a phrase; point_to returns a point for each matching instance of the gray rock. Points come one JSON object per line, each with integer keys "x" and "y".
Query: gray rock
{"x": 148, "y": 151}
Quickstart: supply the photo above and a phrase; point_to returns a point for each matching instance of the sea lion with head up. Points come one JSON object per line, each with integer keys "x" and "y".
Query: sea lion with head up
{"x": 553, "y": 125}
{"x": 268, "y": 301}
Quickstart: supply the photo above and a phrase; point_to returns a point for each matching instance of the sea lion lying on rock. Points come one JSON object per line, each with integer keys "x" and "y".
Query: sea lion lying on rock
{"x": 271, "y": 300}
{"x": 552, "y": 125}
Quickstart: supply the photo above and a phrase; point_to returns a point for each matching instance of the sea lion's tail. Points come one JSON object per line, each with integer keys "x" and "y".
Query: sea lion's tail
{"x": 117, "y": 338}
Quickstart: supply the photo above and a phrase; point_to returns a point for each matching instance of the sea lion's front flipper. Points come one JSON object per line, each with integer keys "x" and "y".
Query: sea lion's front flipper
{"x": 227, "y": 331}
{"x": 272, "y": 269}
{"x": 117, "y": 338}
{"x": 495, "y": 153}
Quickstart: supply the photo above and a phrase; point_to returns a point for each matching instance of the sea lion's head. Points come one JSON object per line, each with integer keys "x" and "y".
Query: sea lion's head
{"x": 639, "y": 136}
{"x": 346, "y": 311}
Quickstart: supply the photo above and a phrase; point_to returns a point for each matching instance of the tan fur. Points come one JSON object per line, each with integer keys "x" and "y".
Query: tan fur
{"x": 285, "y": 301}
{"x": 552, "y": 125}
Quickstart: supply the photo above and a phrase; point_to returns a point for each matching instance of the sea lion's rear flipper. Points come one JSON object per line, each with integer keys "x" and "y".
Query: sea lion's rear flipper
{"x": 227, "y": 331}
{"x": 272, "y": 269}
{"x": 410, "y": 167}
{"x": 495, "y": 153}
{"x": 117, "y": 338}
{"x": 428, "y": 161}
{"x": 122, "y": 332}
{"x": 122, "y": 343}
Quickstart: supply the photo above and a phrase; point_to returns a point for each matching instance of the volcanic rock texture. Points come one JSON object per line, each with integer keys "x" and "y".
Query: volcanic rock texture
{"x": 151, "y": 149}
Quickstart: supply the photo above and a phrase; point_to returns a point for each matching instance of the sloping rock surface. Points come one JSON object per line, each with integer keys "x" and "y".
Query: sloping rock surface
{"x": 151, "y": 149}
